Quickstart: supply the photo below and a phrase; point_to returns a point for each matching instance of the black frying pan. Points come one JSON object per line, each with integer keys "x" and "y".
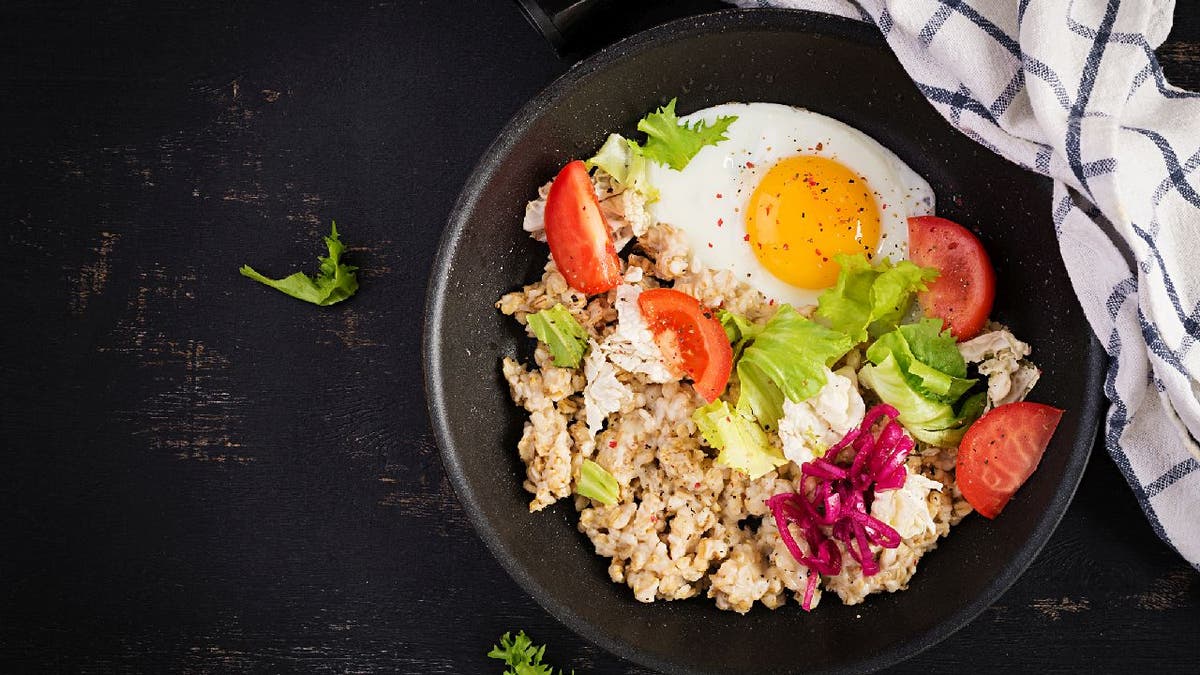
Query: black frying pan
{"x": 836, "y": 67}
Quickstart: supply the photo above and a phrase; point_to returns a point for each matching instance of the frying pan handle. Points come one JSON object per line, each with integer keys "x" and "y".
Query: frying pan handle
{"x": 566, "y": 23}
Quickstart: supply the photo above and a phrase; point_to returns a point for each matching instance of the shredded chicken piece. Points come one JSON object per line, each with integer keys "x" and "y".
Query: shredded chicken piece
{"x": 604, "y": 393}
{"x": 1001, "y": 358}
{"x": 535, "y": 214}
{"x": 810, "y": 427}
{"x": 992, "y": 343}
{"x": 626, "y": 214}
{"x": 669, "y": 249}
{"x": 631, "y": 346}
{"x": 625, "y": 210}
{"x": 906, "y": 509}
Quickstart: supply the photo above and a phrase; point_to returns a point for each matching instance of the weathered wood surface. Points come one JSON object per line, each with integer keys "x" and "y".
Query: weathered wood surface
{"x": 202, "y": 475}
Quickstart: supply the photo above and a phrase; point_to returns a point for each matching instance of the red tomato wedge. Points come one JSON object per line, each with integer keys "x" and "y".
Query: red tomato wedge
{"x": 963, "y": 292}
{"x": 580, "y": 241}
{"x": 690, "y": 336}
{"x": 1000, "y": 451}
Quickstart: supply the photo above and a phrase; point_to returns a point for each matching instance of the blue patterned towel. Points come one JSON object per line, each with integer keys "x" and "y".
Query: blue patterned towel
{"x": 1071, "y": 89}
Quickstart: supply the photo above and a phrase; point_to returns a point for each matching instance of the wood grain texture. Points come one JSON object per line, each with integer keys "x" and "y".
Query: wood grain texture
{"x": 203, "y": 475}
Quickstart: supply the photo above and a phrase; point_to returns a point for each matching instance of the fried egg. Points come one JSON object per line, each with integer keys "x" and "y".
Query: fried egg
{"x": 785, "y": 191}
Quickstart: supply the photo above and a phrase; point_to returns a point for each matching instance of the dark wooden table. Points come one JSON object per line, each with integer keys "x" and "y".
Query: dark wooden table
{"x": 204, "y": 475}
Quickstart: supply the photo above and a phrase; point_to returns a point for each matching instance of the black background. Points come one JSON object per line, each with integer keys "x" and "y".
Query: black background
{"x": 203, "y": 474}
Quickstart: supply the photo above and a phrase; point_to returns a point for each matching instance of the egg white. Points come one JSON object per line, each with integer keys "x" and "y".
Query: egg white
{"x": 707, "y": 200}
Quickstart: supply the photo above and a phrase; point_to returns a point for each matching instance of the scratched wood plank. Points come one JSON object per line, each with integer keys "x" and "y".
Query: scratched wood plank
{"x": 1179, "y": 55}
{"x": 202, "y": 475}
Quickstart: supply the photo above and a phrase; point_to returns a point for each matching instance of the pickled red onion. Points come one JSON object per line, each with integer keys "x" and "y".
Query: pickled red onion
{"x": 832, "y": 505}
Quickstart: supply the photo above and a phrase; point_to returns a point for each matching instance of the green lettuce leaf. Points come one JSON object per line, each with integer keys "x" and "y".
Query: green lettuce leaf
{"x": 595, "y": 482}
{"x": 564, "y": 336}
{"x": 937, "y": 385}
{"x": 927, "y": 357}
{"x": 966, "y": 413}
{"x": 742, "y": 442}
{"x": 931, "y": 403}
{"x": 893, "y": 292}
{"x": 738, "y": 329}
{"x": 918, "y": 369}
{"x": 927, "y": 420}
{"x": 871, "y": 300}
{"x": 622, "y": 159}
{"x": 759, "y": 395}
{"x": 674, "y": 144}
{"x": 847, "y": 305}
{"x": 935, "y": 347}
{"x": 788, "y": 358}
{"x": 334, "y": 281}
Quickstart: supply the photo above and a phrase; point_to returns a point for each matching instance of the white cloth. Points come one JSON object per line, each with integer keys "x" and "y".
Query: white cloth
{"x": 1071, "y": 89}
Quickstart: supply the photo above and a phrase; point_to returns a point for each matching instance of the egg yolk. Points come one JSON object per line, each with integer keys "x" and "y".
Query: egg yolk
{"x": 806, "y": 209}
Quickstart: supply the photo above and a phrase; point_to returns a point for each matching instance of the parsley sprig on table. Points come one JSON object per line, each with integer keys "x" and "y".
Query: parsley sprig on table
{"x": 521, "y": 656}
{"x": 334, "y": 281}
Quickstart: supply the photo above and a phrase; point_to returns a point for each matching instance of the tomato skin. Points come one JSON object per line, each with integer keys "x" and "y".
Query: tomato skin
{"x": 690, "y": 335}
{"x": 579, "y": 238}
{"x": 1001, "y": 450}
{"x": 962, "y": 294}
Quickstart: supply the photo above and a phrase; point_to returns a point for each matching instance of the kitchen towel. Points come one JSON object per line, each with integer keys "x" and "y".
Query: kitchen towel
{"x": 1072, "y": 89}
